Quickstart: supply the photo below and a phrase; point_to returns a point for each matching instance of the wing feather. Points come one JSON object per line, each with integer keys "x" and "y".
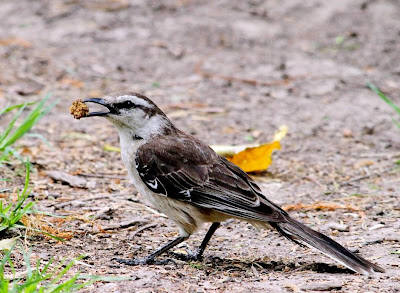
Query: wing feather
{"x": 186, "y": 169}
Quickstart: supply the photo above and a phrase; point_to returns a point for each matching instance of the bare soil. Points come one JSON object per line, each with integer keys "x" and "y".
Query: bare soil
{"x": 225, "y": 71}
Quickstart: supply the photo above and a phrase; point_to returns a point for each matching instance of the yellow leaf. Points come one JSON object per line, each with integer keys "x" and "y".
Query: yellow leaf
{"x": 110, "y": 148}
{"x": 258, "y": 158}
{"x": 255, "y": 158}
{"x": 281, "y": 133}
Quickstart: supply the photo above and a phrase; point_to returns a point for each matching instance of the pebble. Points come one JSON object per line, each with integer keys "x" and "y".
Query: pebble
{"x": 338, "y": 226}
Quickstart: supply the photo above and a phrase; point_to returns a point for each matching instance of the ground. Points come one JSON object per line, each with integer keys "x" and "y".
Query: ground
{"x": 227, "y": 72}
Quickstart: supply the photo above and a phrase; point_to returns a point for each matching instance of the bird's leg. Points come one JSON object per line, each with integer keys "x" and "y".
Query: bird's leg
{"x": 150, "y": 259}
{"x": 210, "y": 233}
{"x": 198, "y": 254}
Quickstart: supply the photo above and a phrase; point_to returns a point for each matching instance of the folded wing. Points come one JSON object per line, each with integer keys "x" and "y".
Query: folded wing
{"x": 183, "y": 168}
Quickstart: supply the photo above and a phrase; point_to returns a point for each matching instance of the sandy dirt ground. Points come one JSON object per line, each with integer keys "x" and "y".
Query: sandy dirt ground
{"x": 228, "y": 72}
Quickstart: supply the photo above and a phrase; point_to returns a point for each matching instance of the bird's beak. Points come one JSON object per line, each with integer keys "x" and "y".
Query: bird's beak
{"x": 110, "y": 108}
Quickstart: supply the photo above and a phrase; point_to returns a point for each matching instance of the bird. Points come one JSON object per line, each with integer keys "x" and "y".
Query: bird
{"x": 191, "y": 184}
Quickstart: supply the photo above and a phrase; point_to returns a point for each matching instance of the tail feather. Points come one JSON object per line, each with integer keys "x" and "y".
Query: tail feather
{"x": 298, "y": 232}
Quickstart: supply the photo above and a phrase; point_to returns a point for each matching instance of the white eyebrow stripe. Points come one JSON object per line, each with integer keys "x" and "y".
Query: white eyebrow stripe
{"x": 135, "y": 100}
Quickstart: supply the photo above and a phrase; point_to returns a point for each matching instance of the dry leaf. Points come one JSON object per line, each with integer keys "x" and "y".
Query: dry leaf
{"x": 363, "y": 163}
{"x": 319, "y": 206}
{"x": 35, "y": 222}
{"x": 15, "y": 42}
{"x": 255, "y": 158}
{"x": 259, "y": 158}
{"x": 72, "y": 82}
{"x": 281, "y": 133}
{"x": 7, "y": 244}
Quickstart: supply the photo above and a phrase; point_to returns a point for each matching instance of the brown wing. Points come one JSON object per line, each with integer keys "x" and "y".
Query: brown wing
{"x": 183, "y": 168}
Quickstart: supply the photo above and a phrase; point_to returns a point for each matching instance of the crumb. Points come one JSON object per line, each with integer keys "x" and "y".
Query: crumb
{"x": 79, "y": 109}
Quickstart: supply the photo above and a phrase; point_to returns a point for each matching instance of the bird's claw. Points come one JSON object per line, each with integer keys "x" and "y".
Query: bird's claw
{"x": 189, "y": 256}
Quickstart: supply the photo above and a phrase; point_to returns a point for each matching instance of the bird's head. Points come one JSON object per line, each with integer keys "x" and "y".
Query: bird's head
{"x": 134, "y": 114}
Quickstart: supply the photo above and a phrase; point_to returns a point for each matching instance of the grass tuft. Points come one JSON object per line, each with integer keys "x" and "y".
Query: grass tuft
{"x": 12, "y": 213}
{"x": 45, "y": 277}
{"x": 15, "y": 215}
{"x": 14, "y": 132}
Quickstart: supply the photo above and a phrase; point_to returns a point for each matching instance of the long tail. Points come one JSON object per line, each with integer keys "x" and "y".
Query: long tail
{"x": 298, "y": 233}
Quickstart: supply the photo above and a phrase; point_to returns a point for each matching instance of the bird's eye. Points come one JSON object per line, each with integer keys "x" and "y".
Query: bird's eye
{"x": 126, "y": 105}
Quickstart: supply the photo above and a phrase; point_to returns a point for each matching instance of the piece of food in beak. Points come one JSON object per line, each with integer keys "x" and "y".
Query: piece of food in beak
{"x": 79, "y": 109}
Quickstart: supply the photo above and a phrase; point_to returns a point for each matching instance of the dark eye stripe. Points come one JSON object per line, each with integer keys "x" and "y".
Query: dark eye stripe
{"x": 125, "y": 105}
{"x": 129, "y": 105}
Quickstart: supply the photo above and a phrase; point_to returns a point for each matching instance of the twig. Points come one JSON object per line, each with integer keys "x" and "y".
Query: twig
{"x": 124, "y": 225}
{"x": 104, "y": 176}
{"x": 79, "y": 201}
{"x": 356, "y": 179}
{"x": 148, "y": 226}
{"x": 364, "y": 177}
{"x": 380, "y": 155}
{"x": 314, "y": 181}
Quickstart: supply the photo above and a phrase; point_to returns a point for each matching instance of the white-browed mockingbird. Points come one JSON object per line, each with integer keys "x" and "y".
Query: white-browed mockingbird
{"x": 186, "y": 180}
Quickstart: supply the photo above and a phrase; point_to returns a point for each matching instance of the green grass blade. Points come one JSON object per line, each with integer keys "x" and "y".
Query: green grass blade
{"x": 10, "y": 108}
{"x": 49, "y": 234}
{"x": 2, "y": 111}
{"x": 15, "y": 154}
{"x": 5, "y": 154}
{"x": 68, "y": 286}
{"x": 46, "y": 267}
{"x": 25, "y": 126}
{"x": 24, "y": 193}
{"x": 41, "y": 137}
{"x": 384, "y": 97}
{"x": 397, "y": 123}
{"x": 28, "y": 122}
{"x": 3, "y": 141}
{"x": 64, "y": 270}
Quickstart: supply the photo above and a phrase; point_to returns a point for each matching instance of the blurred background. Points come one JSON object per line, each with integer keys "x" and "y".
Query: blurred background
{"x": 228, "y": 72}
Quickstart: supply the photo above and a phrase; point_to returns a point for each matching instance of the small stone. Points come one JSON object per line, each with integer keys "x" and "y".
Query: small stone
{"x": 337, "y": 226}
{"x": 347, "y": 133}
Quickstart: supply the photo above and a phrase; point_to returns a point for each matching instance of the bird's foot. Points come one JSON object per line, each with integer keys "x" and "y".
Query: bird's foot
{"x": 188, "y": 256}
{"x": 143, "y": 261}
